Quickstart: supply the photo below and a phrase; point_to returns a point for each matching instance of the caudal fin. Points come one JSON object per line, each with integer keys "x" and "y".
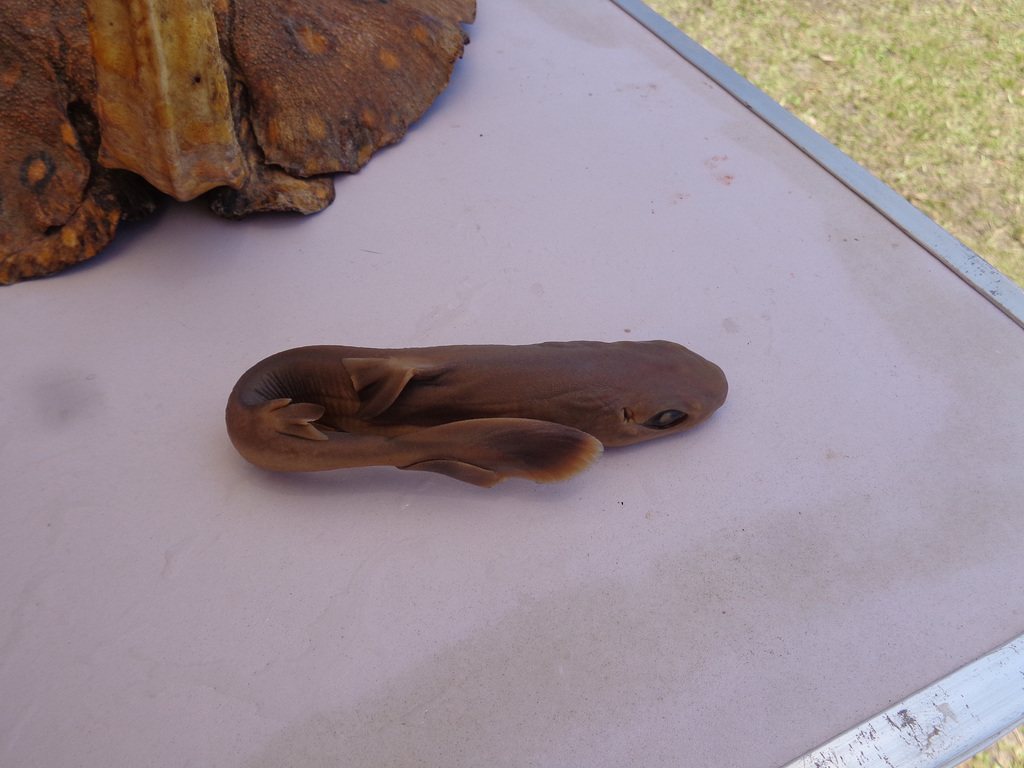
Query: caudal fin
{"x": 486, "y": 451}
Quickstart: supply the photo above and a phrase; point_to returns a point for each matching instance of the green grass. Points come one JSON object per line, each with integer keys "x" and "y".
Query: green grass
{"x": 926, "y": 94}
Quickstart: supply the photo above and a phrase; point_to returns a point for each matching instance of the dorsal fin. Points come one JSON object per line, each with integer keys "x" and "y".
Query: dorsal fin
{"x": 379, "y": 381}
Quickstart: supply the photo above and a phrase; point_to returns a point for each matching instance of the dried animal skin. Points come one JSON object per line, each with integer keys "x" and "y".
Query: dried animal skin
{"x": 268, "y": 187}
{"x": 255, "y": 100}
{"x": 162, "y": 94}
{"x": 365, "y": 95}
{"x": 55, "y": 207}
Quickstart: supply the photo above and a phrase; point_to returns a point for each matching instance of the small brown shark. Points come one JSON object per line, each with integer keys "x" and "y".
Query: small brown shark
{"x": 478, "y": 413}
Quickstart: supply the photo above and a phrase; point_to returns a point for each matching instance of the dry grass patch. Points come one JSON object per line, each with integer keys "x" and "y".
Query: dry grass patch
{"x": 927, "y": 96}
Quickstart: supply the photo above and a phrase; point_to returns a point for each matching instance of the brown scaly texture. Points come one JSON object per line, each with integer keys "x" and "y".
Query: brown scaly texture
{"x": 56, "y": 206}
{"x": 315, "y": 87}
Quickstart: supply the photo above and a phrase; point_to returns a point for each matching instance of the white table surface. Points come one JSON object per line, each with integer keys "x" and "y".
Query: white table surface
{"x": 845, "y": 531}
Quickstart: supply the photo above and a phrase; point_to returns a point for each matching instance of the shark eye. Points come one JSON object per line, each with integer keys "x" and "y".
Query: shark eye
{"x": 665, "y": 419}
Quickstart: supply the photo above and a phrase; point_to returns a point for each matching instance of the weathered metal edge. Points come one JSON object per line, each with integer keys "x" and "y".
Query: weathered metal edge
{"x": 948, "y": 722}
{"x": 985, "y": 278}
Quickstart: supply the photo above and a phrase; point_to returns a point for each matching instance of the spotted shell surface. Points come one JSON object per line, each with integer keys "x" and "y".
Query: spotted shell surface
{"x": 108, "y": 105}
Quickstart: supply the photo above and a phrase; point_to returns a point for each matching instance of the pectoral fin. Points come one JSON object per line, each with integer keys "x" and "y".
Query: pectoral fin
{"x": 486, "y": 451}
{"x": 380, "y": 380}
{"x": 294, "y": 418}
